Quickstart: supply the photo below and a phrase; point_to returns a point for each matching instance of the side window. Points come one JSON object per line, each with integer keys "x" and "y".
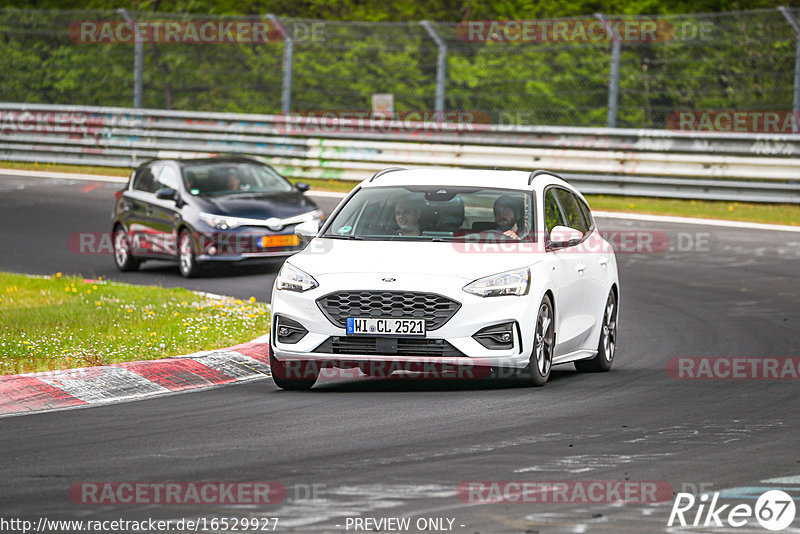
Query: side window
{"x": 168, "y": 177}
{"x": 552, "y": 213}
{"x": 571, "y": 210}
{"x": 145, "y": 181}
{"x": 587, "y": 213}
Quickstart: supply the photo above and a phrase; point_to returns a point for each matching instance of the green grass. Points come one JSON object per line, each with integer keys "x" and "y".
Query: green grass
{"x": 61, "y": 322}
{"x": 53, "y": 167}
{"x": 788, "y": 214}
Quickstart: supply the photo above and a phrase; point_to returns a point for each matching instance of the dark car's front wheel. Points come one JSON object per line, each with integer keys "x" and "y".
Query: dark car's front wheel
{"x": 187, "y": 259}
{"x": 123, "y": 251}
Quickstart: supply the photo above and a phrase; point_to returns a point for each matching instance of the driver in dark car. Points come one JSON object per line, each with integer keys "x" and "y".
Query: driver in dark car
{"x": 508, "y": 215}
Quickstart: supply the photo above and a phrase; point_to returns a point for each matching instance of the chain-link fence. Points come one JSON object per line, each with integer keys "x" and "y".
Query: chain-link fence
{"x": 592, "y": 71}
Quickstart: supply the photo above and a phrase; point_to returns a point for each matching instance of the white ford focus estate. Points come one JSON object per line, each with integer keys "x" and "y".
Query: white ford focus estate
{"x": 448, "y": 270}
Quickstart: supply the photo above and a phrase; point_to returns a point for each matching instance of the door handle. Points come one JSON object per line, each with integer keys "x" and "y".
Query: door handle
{"x": 604, "y": 261}
{"x": 580, "y": 268}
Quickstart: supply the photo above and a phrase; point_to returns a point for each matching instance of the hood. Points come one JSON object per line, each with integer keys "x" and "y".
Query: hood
{"x": 257, "y": 205}
{"x": 326, "y": 256}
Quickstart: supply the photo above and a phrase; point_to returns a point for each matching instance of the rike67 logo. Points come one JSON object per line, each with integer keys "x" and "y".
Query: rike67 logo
{"x": 774, "y": 510}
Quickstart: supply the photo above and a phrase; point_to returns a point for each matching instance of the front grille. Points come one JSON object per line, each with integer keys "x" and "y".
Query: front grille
{"x": 435, "y": 309}
{"x": 421, "y": 347}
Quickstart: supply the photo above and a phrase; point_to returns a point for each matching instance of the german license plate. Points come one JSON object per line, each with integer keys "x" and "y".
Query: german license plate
{"x": 385, "y": 327}
{"x": 279, "y": 241}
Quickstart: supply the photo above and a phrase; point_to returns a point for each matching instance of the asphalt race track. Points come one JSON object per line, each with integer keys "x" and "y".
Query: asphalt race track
{"x": 400, "y": 448}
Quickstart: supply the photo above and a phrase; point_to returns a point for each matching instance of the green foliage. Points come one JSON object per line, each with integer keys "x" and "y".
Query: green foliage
{"x": 742, "y": 61}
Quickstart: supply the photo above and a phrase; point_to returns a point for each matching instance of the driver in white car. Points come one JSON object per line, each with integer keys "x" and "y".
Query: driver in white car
{"x": 507, "y": 215}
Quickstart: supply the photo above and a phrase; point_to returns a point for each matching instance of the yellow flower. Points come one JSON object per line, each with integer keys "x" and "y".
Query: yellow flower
{"x": 98, "y": 303}
{"x": 74, "y": 290}
{"x": 252, "y": 300}
{"x": 88, "y": 291}
{"x": 730, "y": 208}
{"x": 152, "y": 334}
{"x": 94, "y": 287}
{"x": 58, "y": 275}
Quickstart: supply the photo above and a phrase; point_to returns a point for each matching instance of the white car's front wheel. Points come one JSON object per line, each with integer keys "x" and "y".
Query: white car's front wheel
{"x": 541, "y": 362}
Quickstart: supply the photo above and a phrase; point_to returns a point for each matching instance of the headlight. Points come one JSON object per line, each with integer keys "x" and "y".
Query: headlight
{"x": 220, "y": 222}
{"x": 515, "y": 282}
{"x": 316, "y": 215}
{"x": 291, "y": 278}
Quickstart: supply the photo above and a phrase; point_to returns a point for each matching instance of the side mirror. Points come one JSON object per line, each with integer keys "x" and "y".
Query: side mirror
{"x": 167, "y": 193}
{"x": 302, "y": 187}
{"x": 307, "y": 231}
{"x": 563, "y": 237}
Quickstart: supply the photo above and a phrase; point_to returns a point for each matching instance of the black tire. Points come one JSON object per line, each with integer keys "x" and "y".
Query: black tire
{"x": 123, "y": 255}
{"x": 187, "y": 262}
{"x": 279, "y": 373}
{"x": 541, "y": 361}
{"x": 607, "y": 346}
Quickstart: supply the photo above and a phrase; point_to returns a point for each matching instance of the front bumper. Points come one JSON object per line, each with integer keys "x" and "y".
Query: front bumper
{"x": 474, "y": 314}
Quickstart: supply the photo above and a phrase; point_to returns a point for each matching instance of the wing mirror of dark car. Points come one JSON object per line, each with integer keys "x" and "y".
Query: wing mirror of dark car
{"x": 563, "y": 237}
{"x": 302, "y": 187}
{"x": 167, "y": 193}
{"x": 307, "y": 231}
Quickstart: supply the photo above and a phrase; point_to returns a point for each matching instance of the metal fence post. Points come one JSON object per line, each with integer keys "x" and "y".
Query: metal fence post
{"x": 138, "y": 60}
{"x": 288, "y": 59}
{"x": 613, "y": 75}
{"x": 796, "y": 99}
{"x": 441, "y": 66}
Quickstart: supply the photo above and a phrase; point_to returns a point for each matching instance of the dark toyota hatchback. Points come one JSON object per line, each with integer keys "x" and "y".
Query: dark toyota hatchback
{"x": 198, "y": 211}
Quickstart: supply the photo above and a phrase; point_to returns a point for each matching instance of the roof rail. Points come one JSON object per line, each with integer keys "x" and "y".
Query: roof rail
{"x": 537, "y": 172}
{"x": 384, "y": 171}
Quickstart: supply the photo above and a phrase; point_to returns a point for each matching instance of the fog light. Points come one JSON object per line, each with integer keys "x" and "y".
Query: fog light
{"x": 289, "y": 331}
{"x": 212, "y": 250}
{"x": 496, "y": 337}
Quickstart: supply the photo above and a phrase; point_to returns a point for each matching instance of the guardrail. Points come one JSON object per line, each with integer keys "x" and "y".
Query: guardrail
{"x": 661, "y": 163}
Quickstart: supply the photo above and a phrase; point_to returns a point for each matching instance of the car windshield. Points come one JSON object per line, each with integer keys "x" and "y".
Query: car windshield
{"x": 231, "y": 178}
{"x": 435, "y": 213}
